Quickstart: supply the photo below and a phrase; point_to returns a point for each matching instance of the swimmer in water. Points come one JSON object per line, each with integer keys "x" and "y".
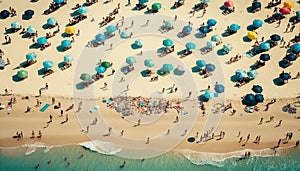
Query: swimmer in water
{"x": 123, "y": 165}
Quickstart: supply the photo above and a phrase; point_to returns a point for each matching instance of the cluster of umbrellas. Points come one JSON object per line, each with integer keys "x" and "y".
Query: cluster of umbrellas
{"x": 252, "y": 100}
{"x": 240, "y": 74}
{"x": 208, "y": 67}
{"x": 287, "y": 6}
{"x": 219, "y": 88}
{"x": 210, "y": 23}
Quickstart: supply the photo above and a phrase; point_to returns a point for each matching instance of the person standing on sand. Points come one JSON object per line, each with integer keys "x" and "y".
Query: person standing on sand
{"x": 122, "y": 133}
{"x": 50, "y": 116}
{"x": 67, "y": 118}
{"x": 148, "y": 140}
{"x": 53, "y": 100}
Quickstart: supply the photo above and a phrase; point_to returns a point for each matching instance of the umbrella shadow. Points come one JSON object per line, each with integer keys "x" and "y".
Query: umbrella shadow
{"x": 73, "y": 14}
{"x": 61, "y": 64}
{"x": 10, "y": 31}
{"x": 34, "y": 46}
{"x": 221, "y": 52}
{"x": 202, "y": 98}
{"x": 278, "y": 82}
{"x": 59, "y": 48}
{"x": 179, "y": 53}
{"x": 41, "y": 71}
{"x": 223, "y": 7}
{"x": 26, "y": 17}
{"x": 134, "y": 8}
{"x": 161, "y": 50}
{"x": 226, "y": 34}
{"x": 160, "y": 72}
{"x": 283, "y": 64}
{"x": 45, "y": 26}
{"x": 196, "y": 69}
{"x": 24, "y": 64}
{"x": 251, "y": 27}
{"x": 293, "y": 18}
{"x": 178, "y": 72}
{"x": 200, "y": 35}
{"x": 64, "y": 35}
{"x": 134, "y": 46}
{"x": 144, "y": 73}
{"x": 25, "y": 36}
{"x": 234, "y": 78}
{"x": 250, "y": 9}
{"x": 106, "y": 2}
{"x": 80, "y": 86}
{"x": 246, "y": 39}
{"x": 15, "y": 78}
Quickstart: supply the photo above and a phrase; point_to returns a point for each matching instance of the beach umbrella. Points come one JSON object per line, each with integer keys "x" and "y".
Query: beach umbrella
{"x": 31, "y": 30}
{"x": 234, "y": 27}
{"x": 265, "y": 46}
{"x": 68, "y": 58}
{"x": 66, "y": 43}
{"x": 204, "y": 29}
{"x": 138, "y": 42}
{"x": 298, "y": 14}
{"x": 70, "y": 30}
{"x": 156, "y": 6}
{"x": 100, "y": 69}
{"x": 187, "y": 29}
{"x": 228, "y": 3}
{"x": 29, "y": 13}
{"x": 190, "y": 46}
{"x": 181, "y": 67}
{"x": 149, "y": 63}
{"x": 291, "y": 57}
{"x": 256, "y": 5}
{"x": 167, "y": 67}
{"x": 227, "y": 47}
{"x": 42, "y": 40}
{"x": 100, "y": 37}
{"x": 85, "y": 77}
{"x": 275, "y": 37}
{"x": 211, "y": 22}
{"x": 106, "y": 64}
{"x": 264, "y": 57}
{"x": 285, "y": 10}
{"x": 200, "y": 63}
{"x": 168, "y": 42}
{"x": 240, "y": 73}
{"x": 216, "y": 38}
{"x": 257, "y": 23}
{"x": 296, "y": 48}
{"x": 219, "y": 88}
{"x": 125, "y": 34}
{"x": 252, "y": 35}
{"x": 252, "y": 74}
{"x": 210, "y": 67}
{"x": 82, "y": 10}
{"x": 48, "y": 64}
{"x": 15, "y": 25}
{"x": 51, "y": 21}
{"x": 22, "y": 74}
{"x": 130, "y": 60}
{"x": 249, "y": 100}
{"x": 284, "y": 76}
{"x": 259, "y": 98}
{"x": 143, "y": 1}
{"x": 204, "y": 1}
{"x": 111, "y": 29}
{"x": 58, "y": 1}
{"x": 257, "y": 88}
{"x": 31, "y": 56}
{"x": 168, "y": 24}
{"x": 209, "y": 94}
{"x": 4, "y": 14}
{"x": 211, "y": 44}
{"x": 288, "y": 4}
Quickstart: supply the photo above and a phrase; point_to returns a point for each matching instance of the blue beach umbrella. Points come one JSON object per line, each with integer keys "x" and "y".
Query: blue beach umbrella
{"x": 31, "y": 30}
{"x": 259, "y": 98}
{"x": 167, "y": 67}
{"x": 227, "y": 47}
{"x": 216, "y": 38}
{"x": 285, "y": 76}
{"x": 15, "y": 25}
{"x": 42, "y": 40}
{"x": 82, "y": 10}
{"x": 249, "y": 100}
{"x": 204, "y": 29}
{"x": 168, "y": 42}
{"x": 68, "y": 58}
{"x": 48, "y": 64}
{"x": 111, "y": 29}
{"x": 252, "y": 74}
{"x": 291, "y": 57}
{"x": 138, "y": 42}
{"x": 257, "y": 23}
{"x": 210, "y": 67}
{"x": 130, "y": 60}
{"x": 58, "y": 1}
{"x": 211, "y": 22}
{"x": 211, "y": 44}
{"x": 219, "y": 88}
{"x": 66, "y": 43}
{"x": 4, "y": 14}
{"x": 51, "y": 21}
{"x": 200, "y": 63}
{"x": 256, "y": 5}
{"x": 190, "y": 46}
{"x": 240, "y": 73}
{"x": 31, "y": 56}
{"x": 29, "y": 13}
{"x": 265, "y": 46}
{"x": 149, "y": 63}
{"x": 187, "y": 29}
{"x": 234, "y": 27}
{"x": 296, "y": 48}
{"x": 125, "y": 34}
{"x": 275, "y": 37}
{"x": 264, "y": 57}
{"x": 209, "y": 94}
{"x": 100, "y": 37}
{"x": 257, "y": 88}
{"x": 100, "y": 69}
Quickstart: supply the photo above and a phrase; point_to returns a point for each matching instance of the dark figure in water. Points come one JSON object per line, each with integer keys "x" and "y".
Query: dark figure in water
{"x": 123, "y": 165}
{"x": 37, "y": 166}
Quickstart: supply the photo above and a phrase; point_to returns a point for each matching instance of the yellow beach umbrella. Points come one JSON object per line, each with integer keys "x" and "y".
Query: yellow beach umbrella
{"x": 252, "y": 35}
{"x": 288, "y": 4}
{"x": 70, "y": 30}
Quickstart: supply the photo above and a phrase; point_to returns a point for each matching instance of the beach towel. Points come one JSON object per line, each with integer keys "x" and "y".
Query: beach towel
{"x": 45, "y": 107}
{"x": 95, "y": 109}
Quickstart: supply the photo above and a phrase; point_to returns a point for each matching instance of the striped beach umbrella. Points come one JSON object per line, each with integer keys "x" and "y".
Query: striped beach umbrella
{"x": 252, "y": 74}
{"x": 22, "y": 74}
{"x": 210, "y": 44}
{"x": 31, "y": 30}
{"x": 31, "y": 56}
{"x": 227, "y": 47}
{"x": 68, "y": 58}
{"x": 216, "y": 38}
{"x": 51, "y": 21}
{"x": 15, "y": 25}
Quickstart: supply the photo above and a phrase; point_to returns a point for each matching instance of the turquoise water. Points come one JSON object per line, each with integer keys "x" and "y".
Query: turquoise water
{"x": 16, "y": 160}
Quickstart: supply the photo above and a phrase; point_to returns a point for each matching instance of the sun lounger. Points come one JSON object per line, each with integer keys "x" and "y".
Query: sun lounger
{"x": 45, "y": 107}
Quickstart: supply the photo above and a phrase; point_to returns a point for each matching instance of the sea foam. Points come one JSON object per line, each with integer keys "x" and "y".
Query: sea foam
{"x": 101, "y": 147}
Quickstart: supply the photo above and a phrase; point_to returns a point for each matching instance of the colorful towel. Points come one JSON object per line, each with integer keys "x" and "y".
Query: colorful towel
{"x": 45, "y": 107}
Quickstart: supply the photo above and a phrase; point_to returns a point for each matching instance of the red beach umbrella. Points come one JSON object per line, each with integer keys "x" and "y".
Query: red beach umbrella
{"x": 228, "y": 3}
{"x": 285, "y": 10}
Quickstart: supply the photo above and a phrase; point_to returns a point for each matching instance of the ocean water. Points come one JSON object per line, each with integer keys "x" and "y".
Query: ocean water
{"x": 16, "y": 160}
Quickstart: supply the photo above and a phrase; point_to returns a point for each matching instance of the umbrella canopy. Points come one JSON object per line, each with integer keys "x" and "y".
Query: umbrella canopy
{"x": 59, "y": 1}
{"x": 4, "y": 13}
{"x": 111, "y": 29}
{"x": 256, "y": 5}
{"x": 48, "y": 64}
{"x": 156, "y": 6}
{"x": 15, "y": 25}
{"x": 259, "y": 98}
{"x": 31, "y": 30}
{"x": 168, "y": 42}
{"x": 125, "y": 34}
{"x": 252, "y": 74}
{"x": 70, "y": 30}
{"x": 234, "y": 27}
{"x": 167, "y": 67}
{"x": 169, "y": 24}
{"x": 228, "y": 3}
{"x": 22, "y": 74}
{"x": 106, "y": 64}
{"x": 249, "y": 100}
{"x": 291, "y": 57}
{"x": 29, "y": 13}
{"x": 138, "y": 42}
{"x": 284, "y": 76}
{"x": 285, "y": 10}
{"x": 100, "y": 69}
{"x": 149, "y": 63}
{"x": 51, "y": 21}
{"x": 298, "y": 14}
{"x": 209, "y": 94}
{"x": 205, "y": 1}
{"x": 210, "y": 67}
{"x": 130, "y": 60}
{"x": 42, "y": 40}
{"x": 85, "y": 77}
{"x": 66, "y": 43}
{"x": 100, "y": 37}
{"x": 143, "y": 1}
{"x": 275, "y": 37}
{"x": 211, "y": 22}
{"x": 252, "y": 35}
{"x": 211, "y": 44}
{"x": 257, "y": 23}
{"x": 227, "y": 47}
{"x": 288, "y": 4}
{"x": 204, "y": 29}
{"x": 31, "y": 56}
{"x": 216, "y": 38}
{"x": 296, "y": 48}
{"x": 265, "y": 46}
{"x": 187, "y": 29}
{"x": 200, "y": 63}
{"x": 219, "y": 88}
{"x": 181, "y": 67}
{"x": 68, "y": 58}
{"x": 190, "y": 46}
{"x": 240, "y": 73}
{"x": 257, "y": 88}
{"x": 82, "y": 10}
{"x": 264, "y": 57}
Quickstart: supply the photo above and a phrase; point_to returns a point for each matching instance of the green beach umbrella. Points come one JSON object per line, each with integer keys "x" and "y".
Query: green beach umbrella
{"x": 298, "y": 14}
{"x": 22, "y": 74}
{"x": 105, "y": 64}
{"x": 138, "y": 42}
{"x": 168, "y": 42}
{"x": 169, "y": 24}
{"x": 156, "y": 6}
{"x": 85, "y": 77}
{"x": 130, "y": 60}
